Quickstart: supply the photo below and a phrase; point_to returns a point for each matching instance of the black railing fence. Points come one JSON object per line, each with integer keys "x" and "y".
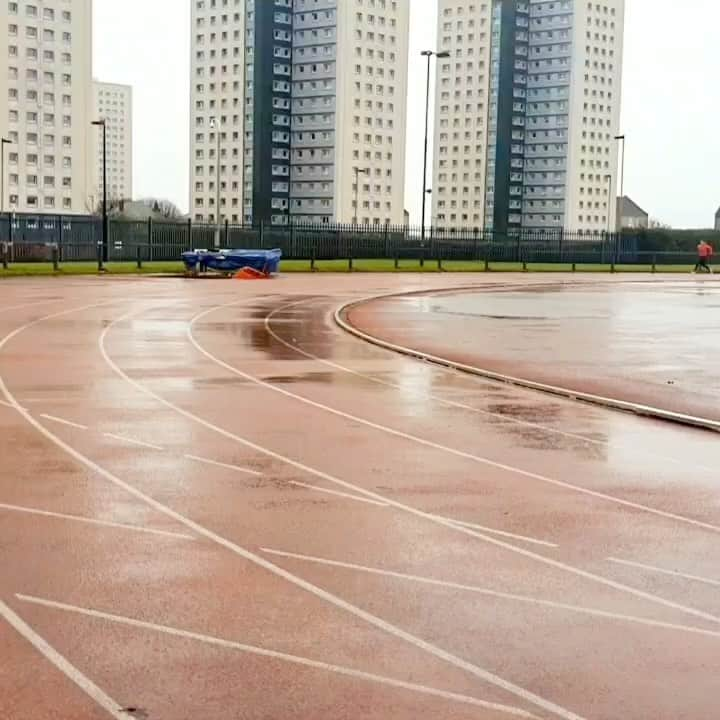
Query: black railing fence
{"x": 46, "y": 238}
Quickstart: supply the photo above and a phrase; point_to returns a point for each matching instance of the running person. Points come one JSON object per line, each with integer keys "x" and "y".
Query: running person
{"x": 705, "y": 253}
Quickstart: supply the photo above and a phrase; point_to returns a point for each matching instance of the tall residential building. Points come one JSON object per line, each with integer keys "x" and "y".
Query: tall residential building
{"x": 322, "y": 107}
{"x": 528, "y": 107}
{"x": 113, "y": 103}
{"x": 46, "y": 87}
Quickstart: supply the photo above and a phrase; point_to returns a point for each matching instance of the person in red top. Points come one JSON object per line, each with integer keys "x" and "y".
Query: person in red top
{"x": 705, "y": 253}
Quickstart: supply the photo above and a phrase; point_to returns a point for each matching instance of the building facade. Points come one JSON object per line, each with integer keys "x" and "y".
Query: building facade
{"x": 540, "y": 97}
{"x": 46, "y": 88}
{"x": 113, "y": 103}
{"x": 316, "y": 99}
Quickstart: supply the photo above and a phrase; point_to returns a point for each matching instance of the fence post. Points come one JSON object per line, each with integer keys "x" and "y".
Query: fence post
{"x": 138, "y": 254}
{"x": 654, "y": 263}
{"x": 149, "y": 238}
{"x": 189, "y": 229}
{"x": 60, "y": 237}
{"x": 4, "y": 255}
{"x": 262, "y": 234}
{"x": 350, "y": 252}
{"x": 560, "y": 246}
{"x": 312, "y": 258}
{"x": 11, "y": 237}
{"x": 573, "y": 267}
{"x": 487, "y": 264}
{"x": 227, "y": 233}
{"x": 54, "y": 256}
{"x": 387, "y": 240}
{"x": 397, "y": 260}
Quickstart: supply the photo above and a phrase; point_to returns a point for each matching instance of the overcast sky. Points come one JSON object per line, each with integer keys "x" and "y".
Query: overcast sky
{"x": 671, "y": 101}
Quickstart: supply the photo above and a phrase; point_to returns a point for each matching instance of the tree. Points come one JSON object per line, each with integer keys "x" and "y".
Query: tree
{"x": 95, "y": 207}
{"x": 162, "y": 207}
{"x": 655, "y": 224}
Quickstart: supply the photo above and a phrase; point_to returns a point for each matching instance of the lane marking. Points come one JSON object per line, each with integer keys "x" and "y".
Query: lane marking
{"x": 431, "y": 649}
{"x": 494, "y": 593}
{"x": 663, "y": 571}
{"x": 7, "y": 404}
{"x": 62, "y": 421}
{"x": 429, "y": 443}
{"x": 503, "y": 533}
{"x": 132, "y": 441}
{"x": 578, "y": 572}
{"x": 436, "y": 398}
{"x": 275, "y": 655}
{"x": 62, "y": 664}
{"x": 454, "y": 373}
{"x": 226, "y": 466}
{"x": 337, "y": 493}
{"x": 93, "y": 521}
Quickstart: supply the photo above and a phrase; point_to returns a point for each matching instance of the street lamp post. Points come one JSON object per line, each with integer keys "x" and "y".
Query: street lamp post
{"x": 215, "y": 124}
{"x": 618, "y": 220}
{"x": 358, "y": 171}
{"x": 427, "y": 54}
{"x": 103, "y": 255}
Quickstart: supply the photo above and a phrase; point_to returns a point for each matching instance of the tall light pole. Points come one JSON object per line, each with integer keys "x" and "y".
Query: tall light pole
{"x": 103, "y": 255}
{"x": 215, "y": 124}
{"x": 427, "y": 54}
{"x": 358, "y": 171}
{"x": 618, "y": 220}
{"x": 621, "y": 138}
{"x": 3, "y": 143}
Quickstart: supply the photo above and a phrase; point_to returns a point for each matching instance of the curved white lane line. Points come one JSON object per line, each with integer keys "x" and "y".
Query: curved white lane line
{"x": 275, "y": 655}
{"x": 419, "y": 393}
{"x": 225, "y": 466}
{"x": 454, "y": 403}
{"x": 62, "y": 664}
{"x": 429, "y": 443}
{"x": 381, "y": 498}
{"x": 371, "y": 619}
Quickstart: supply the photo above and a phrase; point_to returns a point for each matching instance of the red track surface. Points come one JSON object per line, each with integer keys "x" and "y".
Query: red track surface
{"x": 259, "y": 593}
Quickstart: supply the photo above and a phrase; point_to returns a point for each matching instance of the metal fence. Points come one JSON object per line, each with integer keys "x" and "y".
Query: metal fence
{"x": 46, "y": 238}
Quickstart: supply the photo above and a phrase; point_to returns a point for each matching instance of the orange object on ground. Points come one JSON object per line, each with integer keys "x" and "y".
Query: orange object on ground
{"x": 248, "y": 273}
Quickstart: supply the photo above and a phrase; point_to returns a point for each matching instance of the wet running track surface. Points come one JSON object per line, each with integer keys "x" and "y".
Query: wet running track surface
{"x": 215, "y": 503}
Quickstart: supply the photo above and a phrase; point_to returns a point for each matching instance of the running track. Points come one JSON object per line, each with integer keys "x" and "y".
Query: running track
{"x": 216, "y": 504}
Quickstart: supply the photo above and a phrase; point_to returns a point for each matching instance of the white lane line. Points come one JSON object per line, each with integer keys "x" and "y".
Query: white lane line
{"x": 429, "y": 443}
{"x": 132, "y": 441}
{"x": 494, "y": 593}
{"x": 93, "y": 521}
{"x": 62, "y": 421}
{"x": 275, "y": 655}
{"x": 663, "y": 571}
{"x": 62, "y": 664}
{"x": 373, "y": 620}
{"x": 338, "y": 493}
{"x": 452, "y": 403}
{"x": 570, "y": 569}
{"x": 502, "y": 533}
{"x": 226, "y": 466}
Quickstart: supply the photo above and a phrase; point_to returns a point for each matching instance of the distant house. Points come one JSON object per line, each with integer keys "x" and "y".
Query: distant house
{"x": 717, "y": 220}
{"x": 631, "y": 215}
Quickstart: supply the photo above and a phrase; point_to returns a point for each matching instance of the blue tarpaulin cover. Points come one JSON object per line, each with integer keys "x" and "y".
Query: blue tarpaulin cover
{"x": 267, "y": 261}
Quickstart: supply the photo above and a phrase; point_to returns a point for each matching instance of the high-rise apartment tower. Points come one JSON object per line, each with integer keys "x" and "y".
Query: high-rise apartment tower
{"x": 46, "y": 110}
{"x": 309, "y": 98}
{"x": 527, "y": 114}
